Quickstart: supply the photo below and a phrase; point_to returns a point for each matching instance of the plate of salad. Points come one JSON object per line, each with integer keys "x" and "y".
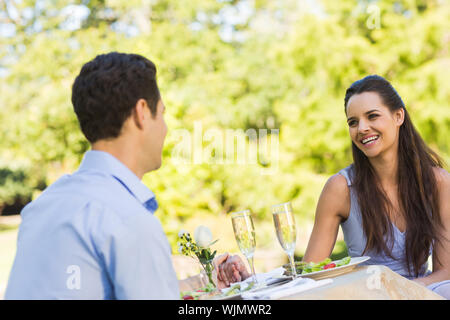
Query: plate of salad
{"x": 201, "y": 293}
{"x": 211, "y": 293}
{"x": 325, "y": 268}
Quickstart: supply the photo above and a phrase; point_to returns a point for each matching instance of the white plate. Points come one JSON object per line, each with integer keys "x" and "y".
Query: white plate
{"x": 270, "y": 282}
{"x": 336, "y": 271}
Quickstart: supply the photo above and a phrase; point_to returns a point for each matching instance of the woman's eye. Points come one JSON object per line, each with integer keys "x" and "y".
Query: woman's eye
{"x": 351, "y": 123}
{"x": 373, "y": 116}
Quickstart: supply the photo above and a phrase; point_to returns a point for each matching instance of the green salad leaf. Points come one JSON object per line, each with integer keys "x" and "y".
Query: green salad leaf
{"x": 313, "y": 267}
{"x": 343, "y": 261}
{"x": 237, "y": 289}
{"x": 233, "y": 290}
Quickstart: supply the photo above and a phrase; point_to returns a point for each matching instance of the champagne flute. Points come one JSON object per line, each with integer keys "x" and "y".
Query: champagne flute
{"x": 244, "y": 232}
{"x": 283, "y": 219}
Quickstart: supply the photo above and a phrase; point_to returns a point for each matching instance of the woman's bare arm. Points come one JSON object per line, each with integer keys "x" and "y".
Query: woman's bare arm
{"x": 333, "y": 206}
{"x": 441, "y": 251}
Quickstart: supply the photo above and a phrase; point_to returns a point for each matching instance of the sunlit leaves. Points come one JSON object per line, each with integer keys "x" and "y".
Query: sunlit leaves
{"x": 288, "y": 71}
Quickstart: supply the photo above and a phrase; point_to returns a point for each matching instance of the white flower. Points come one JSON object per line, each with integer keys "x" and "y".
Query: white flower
{"x": 181, "y": 233}
{"x": 203, "y": 236}
{"x": 180, "y": 249}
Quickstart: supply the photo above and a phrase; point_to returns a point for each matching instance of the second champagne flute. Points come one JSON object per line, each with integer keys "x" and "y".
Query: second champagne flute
{"x": 283, "y": 219}
{"x": 244, "y": 232}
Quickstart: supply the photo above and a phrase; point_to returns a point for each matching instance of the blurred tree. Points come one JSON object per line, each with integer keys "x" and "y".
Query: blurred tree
{"x": 226, "y": 65}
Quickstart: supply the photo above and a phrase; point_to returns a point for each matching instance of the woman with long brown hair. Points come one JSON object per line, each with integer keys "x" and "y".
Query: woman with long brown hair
{"x": 393, "y": 202}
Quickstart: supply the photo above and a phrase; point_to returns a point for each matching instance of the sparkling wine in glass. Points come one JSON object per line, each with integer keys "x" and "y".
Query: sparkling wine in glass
{"x": 244, "y": 232}
{"x": 283, "y": 219}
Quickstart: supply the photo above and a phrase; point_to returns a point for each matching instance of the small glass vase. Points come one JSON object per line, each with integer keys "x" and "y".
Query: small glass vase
{"x": 208, "y": 267}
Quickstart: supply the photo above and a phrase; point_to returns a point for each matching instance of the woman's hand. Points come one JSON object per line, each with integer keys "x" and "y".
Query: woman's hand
{"x": 217, "y": 263}
{"x": 229, "y": 269}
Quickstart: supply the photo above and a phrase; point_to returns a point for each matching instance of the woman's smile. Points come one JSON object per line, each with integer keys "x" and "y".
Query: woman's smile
{"x": 369, "y": 140}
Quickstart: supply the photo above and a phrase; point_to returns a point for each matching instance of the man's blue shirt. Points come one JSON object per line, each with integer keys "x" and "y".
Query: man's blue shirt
{"x": 93, "y": 235}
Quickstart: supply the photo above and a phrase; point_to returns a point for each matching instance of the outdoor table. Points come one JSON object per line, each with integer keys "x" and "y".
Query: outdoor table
{"x": 368, "y": 283}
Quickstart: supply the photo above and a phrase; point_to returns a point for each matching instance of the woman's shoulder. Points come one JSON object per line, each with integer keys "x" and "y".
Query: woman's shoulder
{"x": 442, "y": 176}
{"x": 337, "y": 187}
{"x": 443, "y": 186}
{"x": 337, "y": 193}
{"x": 338, "y": 183}
{"x": 344, "y": 176}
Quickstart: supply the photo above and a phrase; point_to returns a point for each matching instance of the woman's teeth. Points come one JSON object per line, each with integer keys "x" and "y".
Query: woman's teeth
{"x": 369, "y": 139}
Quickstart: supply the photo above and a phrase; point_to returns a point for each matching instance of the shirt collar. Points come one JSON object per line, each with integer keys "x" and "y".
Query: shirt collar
{"x": 107, "y": 163}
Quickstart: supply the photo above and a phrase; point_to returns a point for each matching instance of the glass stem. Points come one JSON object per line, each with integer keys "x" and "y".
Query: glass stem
{"x": 250, "y": 262}
{"x": 294, "y": 270}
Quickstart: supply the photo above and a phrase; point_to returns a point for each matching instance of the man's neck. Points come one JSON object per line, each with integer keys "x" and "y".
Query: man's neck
{"x": 122, "y": 151}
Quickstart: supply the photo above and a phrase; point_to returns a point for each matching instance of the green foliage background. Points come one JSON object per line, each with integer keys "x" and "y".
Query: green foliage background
{"x": 263, "y": 64}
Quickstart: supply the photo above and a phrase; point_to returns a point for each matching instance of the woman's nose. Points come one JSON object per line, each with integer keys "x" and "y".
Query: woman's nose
{"x": 363, "y": 126}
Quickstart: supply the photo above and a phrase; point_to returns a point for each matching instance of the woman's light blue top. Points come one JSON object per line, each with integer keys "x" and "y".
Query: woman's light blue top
{"x": 355, "y": 238}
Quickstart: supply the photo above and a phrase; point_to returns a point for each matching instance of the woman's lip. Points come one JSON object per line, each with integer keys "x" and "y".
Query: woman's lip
{"x": 370, "y": 143}
{"x": 365, "y": 138}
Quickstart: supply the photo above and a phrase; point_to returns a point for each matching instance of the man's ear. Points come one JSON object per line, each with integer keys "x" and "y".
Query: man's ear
{"x": 140, "y": 113}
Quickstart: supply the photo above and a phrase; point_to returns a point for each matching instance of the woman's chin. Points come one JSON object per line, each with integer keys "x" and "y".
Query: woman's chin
{"x": 370, "y": 152}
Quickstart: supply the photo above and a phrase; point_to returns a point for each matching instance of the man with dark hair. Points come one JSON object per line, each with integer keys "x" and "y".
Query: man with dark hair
{"x": 93, "y": 234}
